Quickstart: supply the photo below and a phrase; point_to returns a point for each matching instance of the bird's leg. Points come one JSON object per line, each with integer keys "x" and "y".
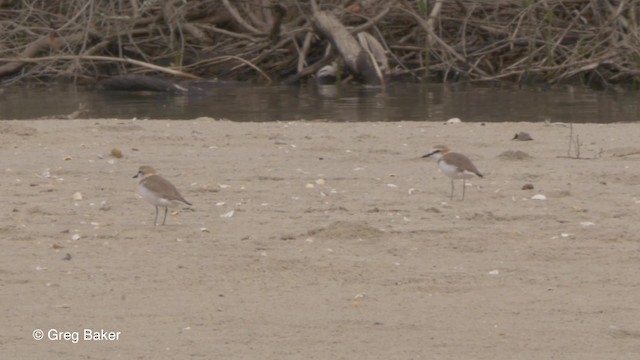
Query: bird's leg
{"x": 451, "y": 189}
{"x": 464, "y": 186}
{"x": 155, "y": 220}
{"x": 165, "y": 215}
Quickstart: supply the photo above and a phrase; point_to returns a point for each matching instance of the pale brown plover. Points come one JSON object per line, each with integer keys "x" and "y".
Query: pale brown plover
{"x": 158, "y": 191}
{"x": 454, "y": 165}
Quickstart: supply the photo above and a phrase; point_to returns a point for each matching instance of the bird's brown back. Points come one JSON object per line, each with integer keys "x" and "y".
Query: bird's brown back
{"x": 160, "y": 185}
{"x": 461, "y": 162}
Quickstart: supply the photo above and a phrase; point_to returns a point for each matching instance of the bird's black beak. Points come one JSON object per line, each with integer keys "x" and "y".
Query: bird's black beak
{"x": 136, "y": 175}
{"x": 429, "y": 154}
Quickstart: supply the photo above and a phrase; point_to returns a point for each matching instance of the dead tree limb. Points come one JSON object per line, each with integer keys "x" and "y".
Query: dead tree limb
{"x": 355, "y": 58}
{"x": 279, "y": 12}
{"x": 32, "y": 50}
{"x": 236, "y": 16}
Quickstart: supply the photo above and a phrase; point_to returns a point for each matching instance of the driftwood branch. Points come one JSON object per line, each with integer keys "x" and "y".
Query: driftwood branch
{"x": 355, "y": 58}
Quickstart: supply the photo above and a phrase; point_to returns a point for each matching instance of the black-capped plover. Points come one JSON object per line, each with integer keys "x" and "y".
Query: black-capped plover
{"x": 454, "y": 165}
{"x": 158, "y": 191}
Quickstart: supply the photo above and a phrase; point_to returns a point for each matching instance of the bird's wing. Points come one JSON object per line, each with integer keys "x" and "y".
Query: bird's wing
{"x": 162, "y": 186}
{"x": 465, "y": 163}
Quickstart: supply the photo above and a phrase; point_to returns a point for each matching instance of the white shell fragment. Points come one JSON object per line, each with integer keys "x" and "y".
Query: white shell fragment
{"x": 104, "y": 206}
{"x": 538, "y": 197}
{"x": 77, "y": 196}
{"x": 494, "y": 272}
{"x": 453, "y": 120}
{"x": 227, "y": 214}
{"x": 586, "y": 223}
{"x": 75, "y": 237}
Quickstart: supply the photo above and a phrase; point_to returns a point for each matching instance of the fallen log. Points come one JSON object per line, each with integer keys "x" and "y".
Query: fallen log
{"x": 134, "y": 82}
{"x": 356, "y": 59}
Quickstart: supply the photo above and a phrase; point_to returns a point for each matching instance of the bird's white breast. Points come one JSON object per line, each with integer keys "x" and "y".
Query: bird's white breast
{"x": 453, "y": 171}
{"x": 154, "y": 198}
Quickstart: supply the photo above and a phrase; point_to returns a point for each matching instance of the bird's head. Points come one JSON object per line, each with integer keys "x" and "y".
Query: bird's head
{"x": 145, "y": 171}
{"x": 437, "y": 152}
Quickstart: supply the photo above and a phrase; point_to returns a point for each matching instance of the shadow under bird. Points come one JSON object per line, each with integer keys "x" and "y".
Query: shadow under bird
{"x": 454, "y": 165}
{"x": 158, "y": 191}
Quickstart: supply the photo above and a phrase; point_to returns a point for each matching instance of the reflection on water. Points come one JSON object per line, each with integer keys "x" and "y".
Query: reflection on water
{"x": 433, "y": 102}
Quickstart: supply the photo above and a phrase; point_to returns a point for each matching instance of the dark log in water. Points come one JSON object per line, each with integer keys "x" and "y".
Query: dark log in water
{"x": 133, "y": 82}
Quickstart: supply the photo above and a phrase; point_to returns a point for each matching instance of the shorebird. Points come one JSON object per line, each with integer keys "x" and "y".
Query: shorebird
{"x": 454, "y": 165}
{"x": 158, "y": 191}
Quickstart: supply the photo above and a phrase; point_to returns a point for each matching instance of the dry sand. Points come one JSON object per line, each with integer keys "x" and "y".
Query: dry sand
{"x": 342, "y": 244}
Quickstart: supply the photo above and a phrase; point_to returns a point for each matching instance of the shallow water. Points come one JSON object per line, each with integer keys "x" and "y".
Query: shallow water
{"x": 416, "y": 102}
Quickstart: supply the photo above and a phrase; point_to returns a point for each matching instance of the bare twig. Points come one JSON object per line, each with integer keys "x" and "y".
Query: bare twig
{"x": 108, "y": 59}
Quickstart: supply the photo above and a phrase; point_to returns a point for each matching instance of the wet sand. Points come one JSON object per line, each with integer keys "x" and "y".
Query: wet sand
{"x": 314, "y": 240}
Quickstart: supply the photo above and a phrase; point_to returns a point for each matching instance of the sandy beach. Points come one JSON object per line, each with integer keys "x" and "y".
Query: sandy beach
{"x": 316, "y": 240}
